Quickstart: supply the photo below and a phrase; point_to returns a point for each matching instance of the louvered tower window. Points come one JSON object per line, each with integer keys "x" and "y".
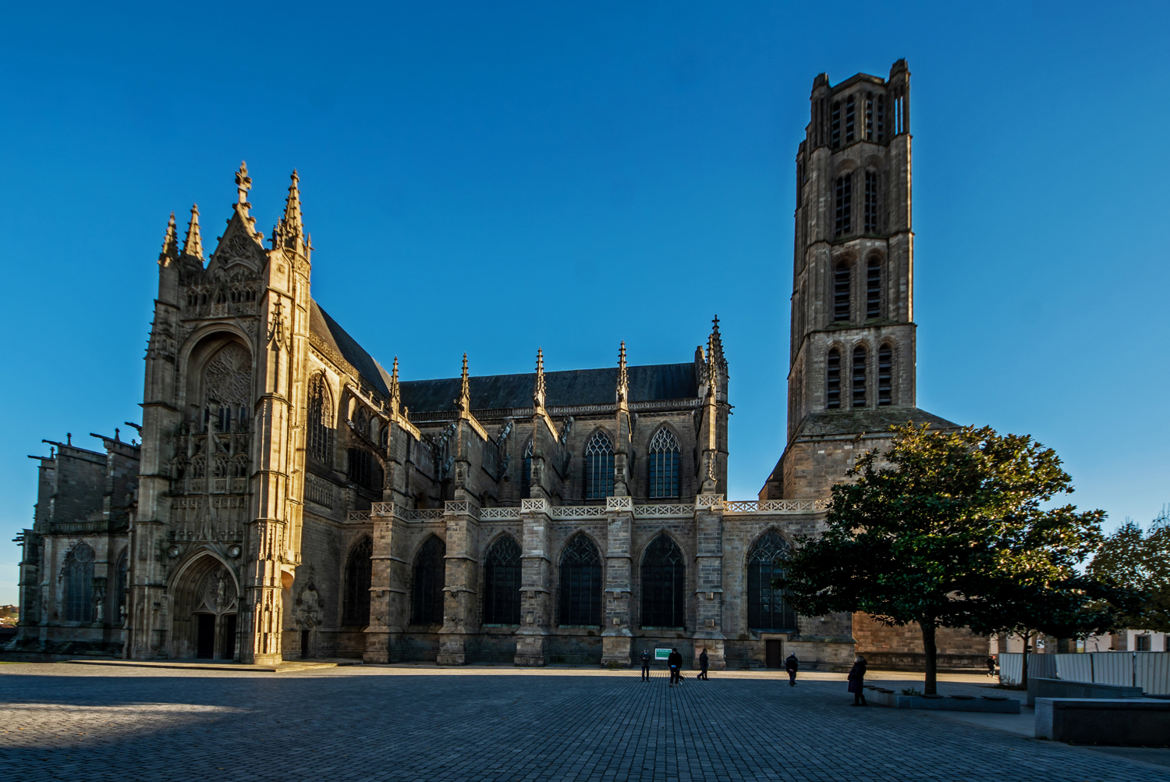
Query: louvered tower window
{"x": 842, "y": 275}
{"x": 835, "y": 125}
{"x": 850, "y": 120}
{"x": 580, "y": 583}
{"x": 662, "y": 459}
{"x": 885, "y": 376}
{"x": 501, "y": 583}
{"x": 430, "y": 576}
{"x": 598, "y": 467}
{"x": 869, "y": 128}
{"x": 663, "y": 584}
{"x": 843, "y": 219}
{"x": 767, "y": 609}
{"x": 871, "y": 202}
{"x": 356, "y": 606}
{"x": 859, "y": 358}
{"x": 833, "y": 380}
{"x": 873, "y": 288}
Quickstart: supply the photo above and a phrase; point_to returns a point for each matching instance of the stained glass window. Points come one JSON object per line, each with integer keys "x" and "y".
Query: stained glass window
{"x": 320, "y": 424}
{"x": 78, "y": 577}
{"x": 501, "y": 583}
{"x": 767, "y": 609}
{"x": 663, "y": 584}
{"x": 580, "y": 585}
{"x": 356, "y": 610}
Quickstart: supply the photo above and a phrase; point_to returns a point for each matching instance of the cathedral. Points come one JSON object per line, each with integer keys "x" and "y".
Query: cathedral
{"x": 293, "y": 498}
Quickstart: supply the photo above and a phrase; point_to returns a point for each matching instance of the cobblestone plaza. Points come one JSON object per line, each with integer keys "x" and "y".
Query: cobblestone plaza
{"x": 78, "y": 721}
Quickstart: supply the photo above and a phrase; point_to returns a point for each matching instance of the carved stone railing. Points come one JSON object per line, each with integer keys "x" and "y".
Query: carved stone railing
{"x": 499, "y": 514}
{"x": 357, "y": 515}
{"x": 381, "y": 509}
{"x": 619, "y": 504}
{"x": 571, "y": 512}
{"x": 774, "y": 506}
{"x": 664, "y": 511}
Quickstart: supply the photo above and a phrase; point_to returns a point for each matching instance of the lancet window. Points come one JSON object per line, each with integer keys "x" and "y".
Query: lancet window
{"x": 767, "y": 609}
{"x": 859, "y": 376}
{"x": 78, "y": 576}
{"x": 663, "y": 584}
{"x": 501, "y": 583}
{"x": 580, "y": 583}
{"x": 843, "y": 222}
{"x": 842, "y": 279}
{"x": 430, "y": 576}
{"x": 833, "y": 380}
{"x": 885, "y": 377}
{"x": 598, "y": 467}
{"x": 356, "y": 608}
{"x": 662, "y": 464}
{"x": 873, "y": 288}
{"x": 319, "y": 437}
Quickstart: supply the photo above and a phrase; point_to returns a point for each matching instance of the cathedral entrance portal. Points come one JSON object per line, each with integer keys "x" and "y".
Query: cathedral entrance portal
{"x": 205, "y": 604}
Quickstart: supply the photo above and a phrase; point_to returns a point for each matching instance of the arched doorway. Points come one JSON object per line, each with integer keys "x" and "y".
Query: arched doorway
{"x": 205, "y": 606}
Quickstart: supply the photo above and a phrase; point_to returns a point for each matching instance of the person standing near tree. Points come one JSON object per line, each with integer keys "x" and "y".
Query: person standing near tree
{"x": 674, "y": 661}
{"x": 857, "y": 681}
{"x": 790, "y": 665}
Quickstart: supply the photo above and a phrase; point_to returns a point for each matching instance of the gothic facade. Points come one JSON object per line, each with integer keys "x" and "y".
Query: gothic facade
{"x": 293, "y": 498}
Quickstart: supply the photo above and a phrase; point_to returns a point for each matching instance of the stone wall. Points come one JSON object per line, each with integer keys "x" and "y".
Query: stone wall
{"x": 901, "y": 647}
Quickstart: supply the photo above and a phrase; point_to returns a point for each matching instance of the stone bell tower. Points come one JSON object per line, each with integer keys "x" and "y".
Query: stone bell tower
{"x": 852, "y": 352}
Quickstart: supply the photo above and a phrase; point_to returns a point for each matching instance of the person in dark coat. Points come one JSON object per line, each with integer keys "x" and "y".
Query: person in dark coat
{"x": 857, "y": 681}
{"x": 790, "y": 665}
{"x": 645, "y": 665}
{"x": 675, "y": 663}
{"x": 703, "y": 663}
{"x": 990, "y": 665}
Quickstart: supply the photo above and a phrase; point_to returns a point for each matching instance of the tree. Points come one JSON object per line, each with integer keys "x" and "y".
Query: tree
{"x": 949, "y": 529}
{"x": 1129, "y": 559}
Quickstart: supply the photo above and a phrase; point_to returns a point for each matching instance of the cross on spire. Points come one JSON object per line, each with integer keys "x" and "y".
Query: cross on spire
{"x": 243, "y": 183}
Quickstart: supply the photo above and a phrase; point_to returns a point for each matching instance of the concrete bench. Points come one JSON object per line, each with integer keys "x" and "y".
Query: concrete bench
{"x": 1118, "y": 722}
{"x": 1059, "y": 688}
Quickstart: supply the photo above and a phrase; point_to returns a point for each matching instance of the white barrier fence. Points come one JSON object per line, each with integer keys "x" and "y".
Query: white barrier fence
{"x": 1148, "y": 670}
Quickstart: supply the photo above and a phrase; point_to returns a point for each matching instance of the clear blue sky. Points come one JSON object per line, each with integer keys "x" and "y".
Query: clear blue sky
{"x": 493, "y": 177}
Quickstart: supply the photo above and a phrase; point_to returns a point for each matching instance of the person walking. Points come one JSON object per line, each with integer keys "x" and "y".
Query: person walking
{"x": 703, "y": 663}
{"x": 857, "y": 681}
{"x": 990, "y": 665}
{"x": 674, "y": 661}
{"x": 790, "y": 665}
{"x": 645, "y": 665}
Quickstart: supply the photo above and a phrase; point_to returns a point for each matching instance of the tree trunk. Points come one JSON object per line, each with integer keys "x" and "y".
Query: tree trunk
{"x": 1027, "y": 636}
{"x": 930, "y": 649}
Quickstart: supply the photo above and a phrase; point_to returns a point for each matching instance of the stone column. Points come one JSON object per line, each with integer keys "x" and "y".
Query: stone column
{"x": 388, "y": 578}
{"x": 461, "y": 593}
{"x": 535, "y": 584}
{"x": 616, "y": 637}
{"x": 709, "y": 579}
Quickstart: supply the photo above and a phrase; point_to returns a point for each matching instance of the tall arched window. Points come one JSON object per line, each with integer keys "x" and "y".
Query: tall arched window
{"x": 501, "y": 583}
{"x": 78, "y": 576}
{"x": 356, "y": 609}
{"x": 858, "y": 384}
{"x": 842, "y": 274}
{"x": 121, "y": 572}
{"x": 767, "y": 609}
{"x": 598, "y": 467}
{"x": 833, "y": 380}
{"x": 885, "y": 388}
{"x": 662, "y": 464}
{"x": 526, "y": 470}
{"x": 319, "y": 437}
{"x": 873, "y": 288}
{"x": 580, "y": 585}
{"x": 430, "y": 576}
{"x": 843, "y": 216}
{"x": 872, "y": 224}
{"x": 663, "y": 584}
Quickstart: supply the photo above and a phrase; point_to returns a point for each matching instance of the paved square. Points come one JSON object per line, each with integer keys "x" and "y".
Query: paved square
{"x": 80, "y": 722}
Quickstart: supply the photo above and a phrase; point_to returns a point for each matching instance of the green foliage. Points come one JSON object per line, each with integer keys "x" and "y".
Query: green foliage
{"x": 953, "y": 529}
{"x": 1140, "y": 562}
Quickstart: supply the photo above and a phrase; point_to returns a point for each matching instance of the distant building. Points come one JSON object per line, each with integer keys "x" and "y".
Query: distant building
{"x": 295, "y": 498}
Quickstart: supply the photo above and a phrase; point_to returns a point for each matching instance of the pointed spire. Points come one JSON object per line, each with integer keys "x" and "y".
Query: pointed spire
{"x": 290, "y": 229}
{"x": 243, "y": 184}
{"x": 623, "y": 382}
{"x": 716, "y": 338}
{"x": 193, "y": 245}
{"x": 170, "y": 248}
{"x": 395, "y": 391}
{"x": 465, "y": 388}
{"x": 538, "y": 391}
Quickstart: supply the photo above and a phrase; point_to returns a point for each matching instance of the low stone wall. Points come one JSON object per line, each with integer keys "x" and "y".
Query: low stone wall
{"x": 1058, "y": 688}
{"x": 916, "y": 661}
{"x": 1115, "y": 722}
{"x": 881, "y": 696}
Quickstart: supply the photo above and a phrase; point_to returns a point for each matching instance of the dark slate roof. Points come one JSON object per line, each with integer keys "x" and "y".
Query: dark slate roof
{"x": 573, "y": 388}
{"x": 491, "y": 392}
{"x": 335, "y": 337}
{"x": 872, "y": 421}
